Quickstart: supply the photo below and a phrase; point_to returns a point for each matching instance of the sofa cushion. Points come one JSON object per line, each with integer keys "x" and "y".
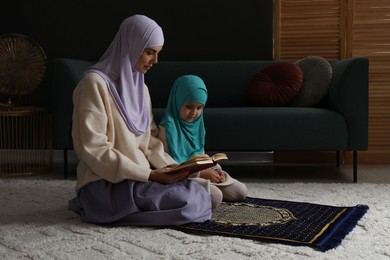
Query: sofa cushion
{"x": 274, "y": 128}
{"x": 317, "y": 74}
{"x": 275, "y": 85}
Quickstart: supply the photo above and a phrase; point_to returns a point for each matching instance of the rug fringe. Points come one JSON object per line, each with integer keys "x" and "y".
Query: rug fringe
{"x": 333, "y": 238}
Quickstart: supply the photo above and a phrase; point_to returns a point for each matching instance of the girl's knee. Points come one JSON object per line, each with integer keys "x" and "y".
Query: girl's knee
{"x": 216, "y": 196}
{"x": 235, "y": 192}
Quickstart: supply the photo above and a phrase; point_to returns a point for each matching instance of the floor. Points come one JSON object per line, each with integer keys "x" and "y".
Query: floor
{"x": 260, "y": 167}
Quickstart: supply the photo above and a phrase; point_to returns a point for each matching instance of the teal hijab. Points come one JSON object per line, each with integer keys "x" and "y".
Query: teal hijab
{"x": 185, "y": 139}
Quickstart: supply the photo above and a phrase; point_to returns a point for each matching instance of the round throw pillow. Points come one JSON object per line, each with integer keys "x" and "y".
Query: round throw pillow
{"x": 275, "y": 85}
{"x": 317, "y": 74}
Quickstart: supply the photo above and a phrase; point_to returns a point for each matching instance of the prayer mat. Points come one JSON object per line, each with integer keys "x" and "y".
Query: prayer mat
{"x": 322, "y": 227}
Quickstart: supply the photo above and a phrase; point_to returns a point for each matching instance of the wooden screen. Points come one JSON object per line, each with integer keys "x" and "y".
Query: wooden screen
{"x": 370, "y": 37}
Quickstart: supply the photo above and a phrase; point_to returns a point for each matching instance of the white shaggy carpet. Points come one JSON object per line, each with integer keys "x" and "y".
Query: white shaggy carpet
{"x": 35, "y": 224}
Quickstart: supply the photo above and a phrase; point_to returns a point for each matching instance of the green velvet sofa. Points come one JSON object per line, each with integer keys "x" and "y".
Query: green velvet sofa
{"x": 339, "y": 123}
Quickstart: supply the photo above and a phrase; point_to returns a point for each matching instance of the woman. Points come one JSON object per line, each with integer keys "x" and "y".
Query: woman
{"x": 121, "y": 175}
{"x": 183, "y": 133}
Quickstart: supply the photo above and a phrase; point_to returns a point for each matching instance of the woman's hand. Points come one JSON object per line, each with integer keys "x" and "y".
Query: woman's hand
{"x": 215, "y": 176}
{"x": 161, "y": 175}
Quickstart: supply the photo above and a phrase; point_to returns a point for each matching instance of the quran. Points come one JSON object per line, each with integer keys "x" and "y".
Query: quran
{"x": 198, "y": 163}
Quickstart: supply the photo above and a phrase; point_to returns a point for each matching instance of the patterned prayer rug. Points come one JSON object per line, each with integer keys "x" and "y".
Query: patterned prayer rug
{"x": 295, "y": 223}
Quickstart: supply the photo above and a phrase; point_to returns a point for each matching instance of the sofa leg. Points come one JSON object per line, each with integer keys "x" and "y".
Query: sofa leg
{"x": 337, "y": 158}
{"x": 65, "y": 164}
{"x": 354, "y": 166}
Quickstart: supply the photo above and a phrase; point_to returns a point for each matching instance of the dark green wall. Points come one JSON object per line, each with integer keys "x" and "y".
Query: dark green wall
{"x": 194, "y": 30}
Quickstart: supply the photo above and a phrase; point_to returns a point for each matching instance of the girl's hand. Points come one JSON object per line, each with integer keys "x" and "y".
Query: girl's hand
{"x": 221, "y": 174}
{"x": 215, "y": 176}
{"x": 161, "y": 175}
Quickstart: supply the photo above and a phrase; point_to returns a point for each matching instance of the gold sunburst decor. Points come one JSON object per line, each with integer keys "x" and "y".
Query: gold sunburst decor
{"x": 23, "y": 64}
{"x": 250, "y": 215}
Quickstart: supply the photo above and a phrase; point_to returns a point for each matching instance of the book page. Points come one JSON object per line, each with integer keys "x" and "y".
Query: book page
{"x": 199, "y": 162}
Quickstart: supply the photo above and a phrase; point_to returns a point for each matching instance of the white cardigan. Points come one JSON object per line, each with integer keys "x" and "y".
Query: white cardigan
{"x": 106, "y": 148}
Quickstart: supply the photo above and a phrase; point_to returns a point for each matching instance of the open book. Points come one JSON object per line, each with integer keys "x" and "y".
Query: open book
{"x": 199, "y": 162}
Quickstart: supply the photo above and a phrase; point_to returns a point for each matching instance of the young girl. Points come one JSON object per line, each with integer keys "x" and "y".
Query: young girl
{"x": 183, "y": 133}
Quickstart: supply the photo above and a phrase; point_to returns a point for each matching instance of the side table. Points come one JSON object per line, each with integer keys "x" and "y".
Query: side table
{"x": 25, "y": 141}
